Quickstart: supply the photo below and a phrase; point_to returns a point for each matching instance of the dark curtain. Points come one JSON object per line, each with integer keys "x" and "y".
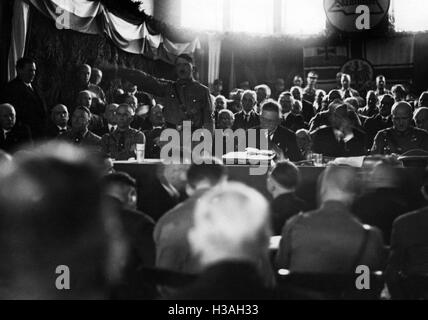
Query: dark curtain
{"x": 6, "y": 13}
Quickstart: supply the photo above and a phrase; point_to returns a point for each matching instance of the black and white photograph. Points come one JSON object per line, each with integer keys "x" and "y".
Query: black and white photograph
{"x": 215, "y": 155}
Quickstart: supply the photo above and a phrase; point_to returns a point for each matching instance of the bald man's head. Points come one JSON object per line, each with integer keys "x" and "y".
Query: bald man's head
{"x": 7, "y": 116}
{"x": 421, "y": 118}
{"x": 59, "y": 115}
{"x": 401, "y": 116}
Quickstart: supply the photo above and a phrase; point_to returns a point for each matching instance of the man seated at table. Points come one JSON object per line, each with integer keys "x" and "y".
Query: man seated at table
{"x": 330, "y": 239}
{"x": 380, "y": 121}
{"x": 270, "y": 134}
{"x": 247, "y": 118}
{"x": 402, "y": 137}
{"x": 157, "y": 120}
{"x": 58, "y": 123}
{"x": 79, "y": 133}
{"x": 107, "y": 123}
{"x": 282, "y": 182}
{"x": 121, "y": 144}
{"x": 323, "y": 118}
{"x": 171, "y": 231}
{"x": 290, "y": 118}
{"x": 343, "y": 138}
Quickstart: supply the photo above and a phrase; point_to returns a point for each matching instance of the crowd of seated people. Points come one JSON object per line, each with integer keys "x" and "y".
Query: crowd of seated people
{"x": 201, "y": 225}
{"x": 213, "y": 245}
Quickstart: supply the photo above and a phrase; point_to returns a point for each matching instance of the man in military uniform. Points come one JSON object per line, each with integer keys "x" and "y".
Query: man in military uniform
{"x": 184, "y": 99}
{"x": 402, "y": 137}
{"x": 79, "y": 133}
{"x": 121, "y": 144}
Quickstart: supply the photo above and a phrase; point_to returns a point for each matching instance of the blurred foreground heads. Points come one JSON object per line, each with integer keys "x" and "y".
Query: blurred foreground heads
{"x": 230, "y": 234}
{"x": 50, "y": 200}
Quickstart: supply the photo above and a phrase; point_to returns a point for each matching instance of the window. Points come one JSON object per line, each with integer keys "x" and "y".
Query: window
{"x": 410, "y": 15}
{"x": 255, "y": 16}
{"x": 303, "y": 17}
{"x": 202, "y": 14}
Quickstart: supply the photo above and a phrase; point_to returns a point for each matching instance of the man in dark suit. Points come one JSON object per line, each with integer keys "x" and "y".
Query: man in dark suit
{"x": 247, "y": 118}
{"x": 12, "y": 135}
{"x": 26, "y": 99}
{"x": 107, "y": 122}
{"x": 230, "y": 236}
{"x": 380, "y": 121}
{"x": 290, "y": 120}
{"x": 409, "y": 248}
{"x": 121, "y": 195}
{"x": 272, "y": 136}
{"x": 331, "y": 239}
{"x": 343, "y": 138}
{"x": 58, "y": 123}
{"x": 282, "y": 182}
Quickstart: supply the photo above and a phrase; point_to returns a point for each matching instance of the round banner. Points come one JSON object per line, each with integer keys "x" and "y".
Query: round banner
{"x": 356, "y": 15}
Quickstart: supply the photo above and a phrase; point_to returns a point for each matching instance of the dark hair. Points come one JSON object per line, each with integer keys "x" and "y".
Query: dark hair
{"x": 212, "y": 170}
{"x": 21, "y": 63}
{"x": 271, "y": 105}
{"x": 286, "y": 174}
{"x": 120, "y": 177}
{"x": 186, "y": 57}
{"x": 217, "y": 82}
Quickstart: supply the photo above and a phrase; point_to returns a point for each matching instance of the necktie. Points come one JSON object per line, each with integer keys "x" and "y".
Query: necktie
{"x": 111, "y": 129}
{"x": 121, "y": 141}
{"x": 247, "y": 118}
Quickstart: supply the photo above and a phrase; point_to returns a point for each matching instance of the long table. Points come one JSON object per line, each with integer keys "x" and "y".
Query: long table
{"x": 150, "y": 192}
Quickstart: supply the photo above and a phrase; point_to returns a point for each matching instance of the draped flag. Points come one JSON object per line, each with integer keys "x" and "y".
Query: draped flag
{"x": 92, "y": 17}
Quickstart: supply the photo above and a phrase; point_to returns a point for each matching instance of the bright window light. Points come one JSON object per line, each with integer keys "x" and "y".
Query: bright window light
{"x": 202, "y": 14}
{"x": 410, "y": 15}
{"x": 253, "y": 16}
{"x": 303, "y": 17}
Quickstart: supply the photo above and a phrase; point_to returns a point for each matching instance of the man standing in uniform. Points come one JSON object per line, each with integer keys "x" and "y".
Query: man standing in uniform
{"x": 184, "y": 99}
{"x": 402, "y": 137}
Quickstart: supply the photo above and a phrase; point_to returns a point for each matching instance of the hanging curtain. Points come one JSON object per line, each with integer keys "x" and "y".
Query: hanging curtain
{"x": 19, "y": 34}
{"x": 214, "y": 49}
{"x": 94, "y": 18}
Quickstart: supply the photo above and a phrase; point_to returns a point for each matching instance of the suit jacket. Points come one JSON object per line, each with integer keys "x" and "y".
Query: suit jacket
{"x": 380, "y": 207}
{"x": 325, "y": 142}
{"x": 328, "y": 240}
{"x": 294, "y": 122}
{"x": 52, "y": 130}
{"x": 29, "y": 106}
{"x": 19, "y": 135}
{"x": 227, "y": 280}
{"x": 283, "y": 208}
{"x": 241, "y": 123}
{"x": 283, "y": 139}
{"x": 409, "y": 249}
